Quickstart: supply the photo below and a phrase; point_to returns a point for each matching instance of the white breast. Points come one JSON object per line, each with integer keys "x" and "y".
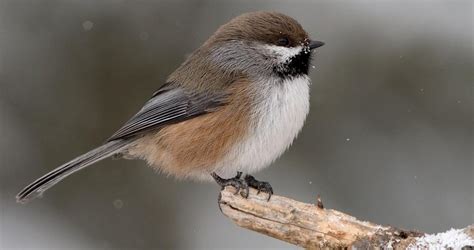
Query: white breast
{"x": 280, "y": 114}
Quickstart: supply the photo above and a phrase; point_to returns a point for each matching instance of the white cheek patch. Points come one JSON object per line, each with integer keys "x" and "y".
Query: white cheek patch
{"x": 283, "y": 53}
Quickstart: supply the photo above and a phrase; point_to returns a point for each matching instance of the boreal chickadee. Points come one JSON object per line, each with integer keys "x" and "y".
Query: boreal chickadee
{"x": 235, "y": 105}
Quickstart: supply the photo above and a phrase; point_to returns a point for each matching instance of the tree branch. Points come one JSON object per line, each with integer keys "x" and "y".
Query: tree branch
{"x": 313, "y": 227}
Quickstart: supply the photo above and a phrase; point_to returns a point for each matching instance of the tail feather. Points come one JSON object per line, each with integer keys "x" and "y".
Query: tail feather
{"x": 48, "y": 180}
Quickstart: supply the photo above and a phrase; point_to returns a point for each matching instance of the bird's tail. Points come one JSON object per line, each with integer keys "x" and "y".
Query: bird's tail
{"x": 48, "y": 180}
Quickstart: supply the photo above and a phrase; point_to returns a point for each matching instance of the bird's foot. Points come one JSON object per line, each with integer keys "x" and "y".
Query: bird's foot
{"x": 244, "y": 184}
{"x": 261, "y": 186}
{"x": 236, "y": 182}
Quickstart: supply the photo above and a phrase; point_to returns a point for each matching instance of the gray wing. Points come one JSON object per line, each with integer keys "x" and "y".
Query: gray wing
{"x": 170, "y": 104}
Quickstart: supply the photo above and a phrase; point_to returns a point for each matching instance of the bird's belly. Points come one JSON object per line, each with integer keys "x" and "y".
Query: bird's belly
{"x": 277, "y": 119}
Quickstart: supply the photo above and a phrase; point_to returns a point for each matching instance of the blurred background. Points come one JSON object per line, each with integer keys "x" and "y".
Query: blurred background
{"x": 389, "y": 138}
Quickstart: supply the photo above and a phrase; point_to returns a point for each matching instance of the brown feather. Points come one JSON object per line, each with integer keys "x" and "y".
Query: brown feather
{"x": 261, "y": 26}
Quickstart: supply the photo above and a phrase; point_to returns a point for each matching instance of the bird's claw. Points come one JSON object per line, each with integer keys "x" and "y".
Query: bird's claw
{"x": 243, "y": 185}
{"x": 261, "y": 186}
{"x": 236, "y": 182}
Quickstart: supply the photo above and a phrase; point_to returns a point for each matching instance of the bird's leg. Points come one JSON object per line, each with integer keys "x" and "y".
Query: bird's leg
{"x": 235, "y": 182}
{"x": 261, "y": 186}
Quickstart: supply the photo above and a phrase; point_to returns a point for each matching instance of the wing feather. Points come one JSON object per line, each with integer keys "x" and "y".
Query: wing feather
{"x": 170, "y": 104}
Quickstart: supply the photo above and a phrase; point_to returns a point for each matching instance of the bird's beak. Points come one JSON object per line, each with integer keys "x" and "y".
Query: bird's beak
{"x": 315, "y": 44}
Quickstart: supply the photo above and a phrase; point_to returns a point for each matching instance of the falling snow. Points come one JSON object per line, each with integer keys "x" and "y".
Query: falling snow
{"x": 87, "y": 25}
{"x": 118, "y": 204}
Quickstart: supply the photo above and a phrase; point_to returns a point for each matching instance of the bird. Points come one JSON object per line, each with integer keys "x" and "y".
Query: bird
{"x": 232, "y": 107}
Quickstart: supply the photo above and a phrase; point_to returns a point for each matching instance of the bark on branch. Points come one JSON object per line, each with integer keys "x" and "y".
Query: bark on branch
{"x": 313, "y": 227}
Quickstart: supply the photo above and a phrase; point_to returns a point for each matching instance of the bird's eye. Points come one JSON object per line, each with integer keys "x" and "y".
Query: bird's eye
{"x": 284, "y": 41}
